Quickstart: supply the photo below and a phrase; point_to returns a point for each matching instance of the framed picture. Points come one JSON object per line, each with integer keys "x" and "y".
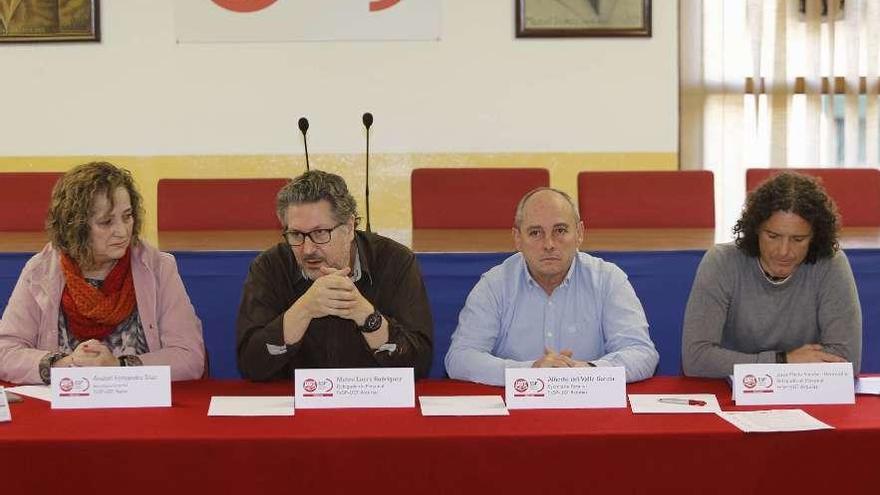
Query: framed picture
{"x": 582, "y": 18}
{"x": 41, "y": 20}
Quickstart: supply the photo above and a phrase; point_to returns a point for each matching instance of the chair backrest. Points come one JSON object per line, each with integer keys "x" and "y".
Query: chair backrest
{"x": 649, "y": 199}
{"x": 24, "y": 200}
{"x": 218, "y": 204}
{"x": 470, "y": 198}
{"x": 856, "y": 191}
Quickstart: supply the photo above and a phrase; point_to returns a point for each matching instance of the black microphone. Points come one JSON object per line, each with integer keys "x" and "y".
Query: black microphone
{"x": 304, "y": 128}
{"x": 368, "y": 121}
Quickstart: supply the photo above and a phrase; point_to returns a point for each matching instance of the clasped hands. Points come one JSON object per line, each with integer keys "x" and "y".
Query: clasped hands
{"x": 812, "y": 353}
{"x": 89, "y": 353}
{"x": 562, "y": 359}
{"x": 334, "y": 294}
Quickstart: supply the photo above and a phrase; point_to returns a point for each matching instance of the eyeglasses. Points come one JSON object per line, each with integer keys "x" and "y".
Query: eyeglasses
{"x": 318, "y": 236}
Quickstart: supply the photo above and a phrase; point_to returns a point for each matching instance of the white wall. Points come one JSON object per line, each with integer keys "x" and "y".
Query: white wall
{"x": 479, "y": 89}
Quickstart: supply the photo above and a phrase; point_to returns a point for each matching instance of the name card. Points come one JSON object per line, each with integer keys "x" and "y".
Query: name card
{"x": 802, "y": 383}
{"x": 111, "y": 387}
{"x": 357, "y": 387}
{"x": 5, "y": 415}
{"x": 564, "y": 388}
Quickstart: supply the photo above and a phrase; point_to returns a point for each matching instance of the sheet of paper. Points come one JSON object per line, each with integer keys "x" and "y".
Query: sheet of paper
{"x": 673, "y": 403}
{"x": 41, "y": 392}
{"x": 463, "y": 405}
{"x": 5, "y": 415}
{"x": 869, "y": 385}
{"x": 774, "y": 420}
{"x": 251, "y": 406}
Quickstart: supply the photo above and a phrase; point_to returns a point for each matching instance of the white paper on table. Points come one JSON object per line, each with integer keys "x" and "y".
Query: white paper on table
{"x": 869, "y": 385}
{"x": 41, "y": 392}
{"x": 774, "y": 420}
{"x": 463, "y": 405}
{"x": 5, "y": 414}
{"x": 650, "y": 403}
{"x": 251, "y": 406}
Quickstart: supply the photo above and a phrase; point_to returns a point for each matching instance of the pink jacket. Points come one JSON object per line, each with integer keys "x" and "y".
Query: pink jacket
{"x": 29, "y": 327}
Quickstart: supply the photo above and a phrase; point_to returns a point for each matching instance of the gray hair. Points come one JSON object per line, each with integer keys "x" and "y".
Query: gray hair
{"x": 518, "y": 218}
{"x": 313, "y": 186}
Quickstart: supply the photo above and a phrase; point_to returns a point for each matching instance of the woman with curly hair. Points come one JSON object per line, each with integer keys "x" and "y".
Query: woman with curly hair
{"x": 783, "y": 292}
{"x": 97, "y": 295}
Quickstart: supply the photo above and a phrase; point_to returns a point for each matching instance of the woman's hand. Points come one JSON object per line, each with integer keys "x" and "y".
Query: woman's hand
{"x": 92, "y": 353}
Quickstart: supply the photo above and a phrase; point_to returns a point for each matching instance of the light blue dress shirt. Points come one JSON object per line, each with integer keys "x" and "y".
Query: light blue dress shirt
{"x": 508, "y": 320}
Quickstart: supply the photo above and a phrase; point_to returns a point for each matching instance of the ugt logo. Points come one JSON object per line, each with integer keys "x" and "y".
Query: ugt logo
{"x": 245, "y": 6}
{"x": 528, "y": 388}
{"x": 757, "y": 384}
{"x": 317, "y": 388}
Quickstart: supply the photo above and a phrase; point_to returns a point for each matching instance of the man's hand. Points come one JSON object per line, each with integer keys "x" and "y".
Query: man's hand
{"x": 564, "y": 359}
{"x": 812, "y": 353}
{"x": 332, "y": 294}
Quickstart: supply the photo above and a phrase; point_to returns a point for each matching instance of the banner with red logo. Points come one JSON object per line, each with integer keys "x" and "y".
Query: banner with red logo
{"x": 205, "y": 21}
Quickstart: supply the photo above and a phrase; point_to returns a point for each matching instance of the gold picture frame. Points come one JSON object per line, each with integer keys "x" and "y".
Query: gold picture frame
{"x": 27, "y": 21}
{"x": 582, "y": 18}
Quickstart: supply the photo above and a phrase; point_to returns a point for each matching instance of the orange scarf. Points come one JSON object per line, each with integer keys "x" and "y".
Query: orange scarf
{"x": 93, "y": 313}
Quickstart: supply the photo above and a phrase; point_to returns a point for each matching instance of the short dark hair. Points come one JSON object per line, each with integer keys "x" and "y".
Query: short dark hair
{"x": 73, "y": 198}
{"x": 796, "y": 193}
{"x": 313, "y": 186}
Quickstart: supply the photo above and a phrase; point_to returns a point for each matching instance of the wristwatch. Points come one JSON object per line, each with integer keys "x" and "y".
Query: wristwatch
{"x": 781, "y": 357}
{"x": 372, "y": 323}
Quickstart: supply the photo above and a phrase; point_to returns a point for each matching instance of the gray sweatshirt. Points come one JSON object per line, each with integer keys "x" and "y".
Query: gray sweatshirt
{"x": 735, "y": 315}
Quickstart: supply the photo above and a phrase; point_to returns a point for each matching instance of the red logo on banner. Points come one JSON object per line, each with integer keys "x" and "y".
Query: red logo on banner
{"x": 377, "y": 5}
{"x": 244, "y": 6}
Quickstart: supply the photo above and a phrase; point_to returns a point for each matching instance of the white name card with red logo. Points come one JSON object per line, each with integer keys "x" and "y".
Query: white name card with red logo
{"x": 565, "y": 388}
{"x": 356, "y": 387}
{"x": 801, "y": 383}
{"x": 111, "y": 387}
{"x": 5, "y": 415}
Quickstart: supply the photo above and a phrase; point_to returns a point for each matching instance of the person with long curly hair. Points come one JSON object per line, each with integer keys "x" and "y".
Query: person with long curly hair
{"x": 98, "y": 295}
{"x": 783, "y": 292}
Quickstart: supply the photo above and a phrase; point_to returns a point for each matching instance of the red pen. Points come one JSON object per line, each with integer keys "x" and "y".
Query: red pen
{"x": 682, "y": 402}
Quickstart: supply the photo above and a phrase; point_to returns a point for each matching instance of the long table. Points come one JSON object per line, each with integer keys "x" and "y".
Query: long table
{"x": 660, "y": 264}
{"x": 181, "y": 450}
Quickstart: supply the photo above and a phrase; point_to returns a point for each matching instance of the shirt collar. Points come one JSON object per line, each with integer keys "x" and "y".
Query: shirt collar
{"x": 565, "y": 281}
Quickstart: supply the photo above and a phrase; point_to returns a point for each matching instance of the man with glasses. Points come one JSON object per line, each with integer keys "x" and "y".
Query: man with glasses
{"x": 330, "y": 296}
{"x": 550, "y": 305}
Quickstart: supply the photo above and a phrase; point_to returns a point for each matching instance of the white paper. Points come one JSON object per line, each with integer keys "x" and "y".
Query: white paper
{"x": 110, "y": 387}
{"x": 802, "y": 383}
{"x": 651, "y": 403}
{"x": 355, "y": 387}
{"x": 869, "y": 385}
{"x": 774, "y": 420}
{"x": 565, "y": 388}
{"x": 463, "y": 405}
{"x": 251, "y": 406}
{"x": 5, "y": 414}
{"x": 41, "y": 392}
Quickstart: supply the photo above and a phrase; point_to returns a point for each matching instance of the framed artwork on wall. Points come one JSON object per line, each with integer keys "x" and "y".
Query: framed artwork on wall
{"x": 582, "y": 18}
{"x": 27, "y": 21}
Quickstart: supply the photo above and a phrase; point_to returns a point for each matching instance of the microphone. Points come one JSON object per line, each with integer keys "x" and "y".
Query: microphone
{"x": 367, "y": 119}
{"x": 304, "y": 128}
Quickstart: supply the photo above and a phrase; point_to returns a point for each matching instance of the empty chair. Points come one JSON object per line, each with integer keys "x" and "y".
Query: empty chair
{"x": 855, "y": 190}
{"x": 24, "y": 200}
{"x": 470, "y": 198}
{"x": 649, "y": 199}
{"x": 218, "y": 204}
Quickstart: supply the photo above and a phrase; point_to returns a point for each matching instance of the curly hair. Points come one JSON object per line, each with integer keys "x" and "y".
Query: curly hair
{"x": 313, "y": 186}
{"x": 73, "y": 199}
{"x": 795, "y": 193}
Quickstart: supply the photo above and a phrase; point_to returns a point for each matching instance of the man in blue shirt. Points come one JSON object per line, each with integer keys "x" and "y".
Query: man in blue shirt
{"x": 549, "y": 305}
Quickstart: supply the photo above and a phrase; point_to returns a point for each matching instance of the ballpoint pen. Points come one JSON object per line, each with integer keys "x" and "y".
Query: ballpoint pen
{"x": 682, "y": 402}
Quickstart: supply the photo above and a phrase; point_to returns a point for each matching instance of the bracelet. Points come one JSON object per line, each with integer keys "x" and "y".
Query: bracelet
{"x": 46, "y": 364}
